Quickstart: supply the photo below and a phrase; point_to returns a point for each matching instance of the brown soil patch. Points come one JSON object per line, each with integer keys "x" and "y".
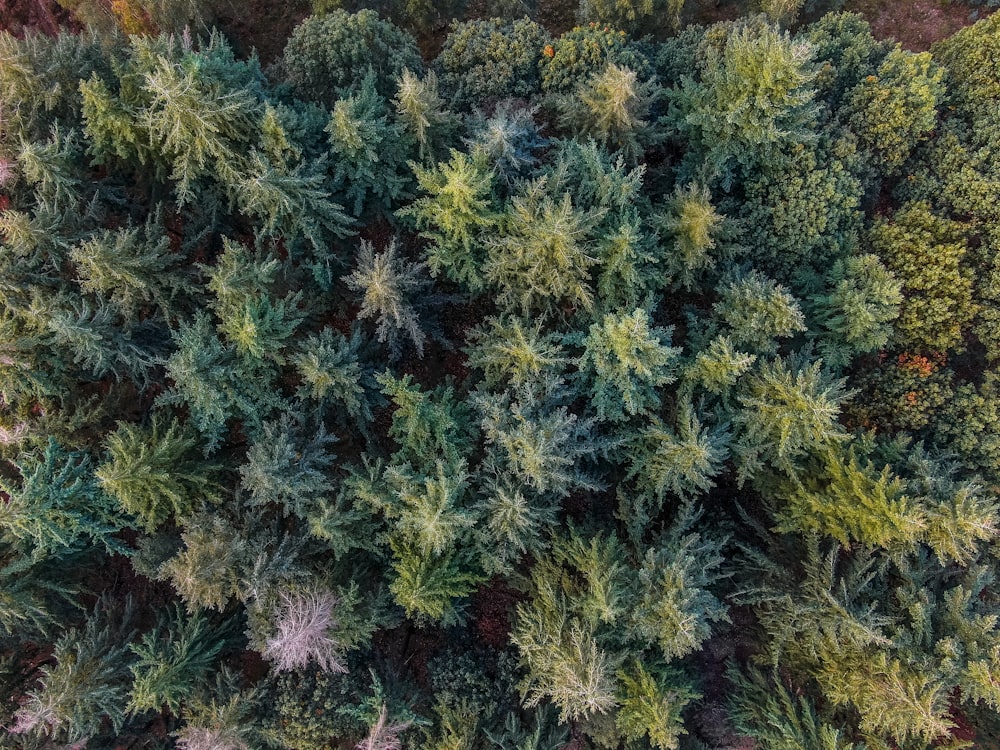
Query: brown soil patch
{"x": 915, "y": 24}
{"x": 262, "y": 25}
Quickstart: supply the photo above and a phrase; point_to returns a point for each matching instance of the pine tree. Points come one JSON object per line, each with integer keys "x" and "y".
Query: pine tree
{"x": 757, "y": 312}
{"x": 651, "y": 705}
{"x": 787, "y": 411}
{"x": 330, "y": 370}
{"x": 683, "y": 461}
{"x": 857, "y": 312}
{"x": 390, "y": 287}
{"x": 152, "y": 474}
{"x": 368, "y": 148}
{"x": 718, "y": 366}
{"x": 455, "y": 215}
{"x": 690, "y": 221}
{"x": 612, "y": 108}
{"x": 925, "y": 253}
{"x": 428, "y": 426}
{"x": 58, "y": 506}
{"x": 287, "y": 464}
{"x": 509, "y": 139}
{"x": 532, "y": 440}
{"x": 88, "y": 682}
{"x": 624, "y": 362}
{"x": 173, "y": 661}
{"x": 51, "y": 169}
{"x": 207, "y": 571}
{"x": 849, "y": 500}
{"x": 509, "y": 352}
{"x": 767, "y": 711}
{"x": 422, "y": 112}
{"x": 754, "y": 93}
{"x": 426, "y": 586}
{"x": 131, "y": 268}
{"x": 542, "y": 262}
{"x": 289, "y": 202}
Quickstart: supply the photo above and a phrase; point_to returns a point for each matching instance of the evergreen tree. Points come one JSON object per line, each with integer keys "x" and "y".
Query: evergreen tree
{"x": 753, "y": 94}
{"x": 691, "y": 222}
{"x": 543, "y": 260}
{"x": 613, "y": 108}
{"x": 173, "y": 661}
{"x": 287, "y": 464}
{"x": 455, "y": 215}
{"x": 858, "y": 310}
{"x": 422, "y": 113}
{"x": 88, "y": 682}
{"x": 894, "y": 109}
{"x": 510, "y": 352}
{"x": 152, "y": 474}
{"x": 624, "y": 362}
{"x": 368, "y": 148}
{"x": 757, "y": 312}
{"x": 58, "y": 506}
{"x": 787, "y": 411}
{"x": 390, "y": 286}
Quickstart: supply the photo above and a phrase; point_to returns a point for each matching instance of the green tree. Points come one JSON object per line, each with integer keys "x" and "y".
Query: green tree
{"x": 368, "y": 147}
{"x": 58, "y": 506}
{"x": 624, "y": 363}
{"x": 787, "y": 411}
{"x": 925, "y": 252}
{"x": 422, "y": 112}
{"x": 688, "y": 225}
{"x": 612, "y": 107}
{"x": 754, "y": 93}
{"x": 511, "y": 352}
{"x": 455, "y": 215}
{"x": 757, "y": 312}
{"x": 491, "y": 58}
{"x": 334, "y": 51}
{"x": 858, "y": 310}
{"x": 543, "y": 260}
{"x": 682, "y": 461}
{"x": 585, "y": 51}
{"x": 152, "y": 473}
{"x": 390, "y": 287}
{"x": 173, "y": 661}
{"x": 894, "y": 109}
{"x": 288, "y": 464}
{"x": 88, "y": 682}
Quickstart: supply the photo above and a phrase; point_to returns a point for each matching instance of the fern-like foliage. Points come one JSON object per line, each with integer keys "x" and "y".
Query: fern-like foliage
{"x": 173, "y": 661}
{"x": 152, "y": 473}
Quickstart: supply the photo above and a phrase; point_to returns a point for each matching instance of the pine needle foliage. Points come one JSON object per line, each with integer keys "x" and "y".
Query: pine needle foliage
{"x": 152, "y": 473}
{"x": 173, "y": 661}
{"x": 389, "y": 287}
{"x": 88, "y": 682}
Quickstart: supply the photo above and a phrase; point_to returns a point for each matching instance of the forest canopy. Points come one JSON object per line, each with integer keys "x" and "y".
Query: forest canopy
{"x": 636, "y": 386}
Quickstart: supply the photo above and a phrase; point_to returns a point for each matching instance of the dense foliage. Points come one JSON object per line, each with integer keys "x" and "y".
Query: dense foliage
{"x": 584, "y": 390}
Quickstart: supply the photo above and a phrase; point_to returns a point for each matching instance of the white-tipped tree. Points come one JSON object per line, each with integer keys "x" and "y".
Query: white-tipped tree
{"x": 303, "y": 626}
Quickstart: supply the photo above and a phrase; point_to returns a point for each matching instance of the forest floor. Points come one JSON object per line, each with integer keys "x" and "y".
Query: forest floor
{"x": 916, "y": 24}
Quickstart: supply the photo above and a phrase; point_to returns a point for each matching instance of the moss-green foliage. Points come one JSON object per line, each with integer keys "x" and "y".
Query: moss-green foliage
{"x": 584, "y": 52}
{"x": 493, "y": 58}
{"x": 925, "y": 252}
{"x": 335, "y": 50}
{"x": 625, "y": 362}
{"x": 892, "y": 110}
{"x": 154, "y": 473}
{"x": 753, "y": 92}
{"x": 634, "y": 337}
